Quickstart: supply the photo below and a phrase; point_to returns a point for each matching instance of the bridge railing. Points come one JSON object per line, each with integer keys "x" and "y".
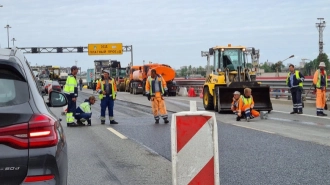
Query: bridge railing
{"x": 278, "y": 88}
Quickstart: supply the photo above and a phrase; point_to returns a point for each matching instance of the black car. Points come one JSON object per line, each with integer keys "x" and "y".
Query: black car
{"x": 33, "y": 148}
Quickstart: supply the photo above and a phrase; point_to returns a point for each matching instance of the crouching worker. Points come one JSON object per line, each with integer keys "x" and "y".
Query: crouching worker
{"x": 84, "y": 111}
{"x": 245, "y": 106}
{"x": 234, "y": 104}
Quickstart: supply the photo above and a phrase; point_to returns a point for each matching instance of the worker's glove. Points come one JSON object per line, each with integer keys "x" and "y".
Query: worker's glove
{"x": 148, "y": 96}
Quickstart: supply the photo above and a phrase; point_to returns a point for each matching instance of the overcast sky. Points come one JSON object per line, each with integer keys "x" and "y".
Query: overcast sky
{"x": 168, "y": 31}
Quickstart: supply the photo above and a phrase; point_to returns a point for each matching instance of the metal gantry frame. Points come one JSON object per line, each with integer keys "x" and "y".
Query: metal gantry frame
{"x": 206, "y": 54}
{"x": 74, "y": 49}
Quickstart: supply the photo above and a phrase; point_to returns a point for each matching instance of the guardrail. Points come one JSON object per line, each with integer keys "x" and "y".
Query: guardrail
{"x": 278, "y": 88}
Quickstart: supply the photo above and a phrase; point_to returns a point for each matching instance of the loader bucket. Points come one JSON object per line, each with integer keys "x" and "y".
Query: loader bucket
{"x": 260, "y": 94}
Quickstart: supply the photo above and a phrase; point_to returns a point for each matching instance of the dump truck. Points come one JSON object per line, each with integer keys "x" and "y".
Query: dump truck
{"x": 231, "y": 74}
{"x": 139, "y": 74}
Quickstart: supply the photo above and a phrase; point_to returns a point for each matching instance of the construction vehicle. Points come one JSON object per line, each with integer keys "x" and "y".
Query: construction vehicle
{"x": 56, "y": 74}
{"x": 99, "y": 66}
{"x": 90, "y": 78}
{"x": 231, "y": 74}
{"x": 118, "y": 73}
{"x": 139, "y": 74}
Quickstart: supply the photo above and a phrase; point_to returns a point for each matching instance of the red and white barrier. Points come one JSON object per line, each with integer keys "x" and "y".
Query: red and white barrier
{"x": 194, "y": 140}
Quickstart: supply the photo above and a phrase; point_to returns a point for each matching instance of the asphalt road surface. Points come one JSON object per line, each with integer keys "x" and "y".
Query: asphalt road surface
{"x": 247, "y": 156}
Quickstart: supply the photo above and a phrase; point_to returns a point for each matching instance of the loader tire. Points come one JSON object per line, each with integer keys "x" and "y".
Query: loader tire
{"x": 207, "y": 99}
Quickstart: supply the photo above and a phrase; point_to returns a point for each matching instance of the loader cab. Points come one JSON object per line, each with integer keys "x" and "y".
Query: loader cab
{"x": 228, "y": 57}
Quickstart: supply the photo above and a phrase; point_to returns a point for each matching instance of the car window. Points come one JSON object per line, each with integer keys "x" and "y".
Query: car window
{"x": 13, "y": 87}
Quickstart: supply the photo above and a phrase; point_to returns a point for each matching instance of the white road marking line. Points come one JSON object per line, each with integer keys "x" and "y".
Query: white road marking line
{"x": 308, "y": 115}
{"x": 253, "y": 129}
{"x": 117, "y": 133}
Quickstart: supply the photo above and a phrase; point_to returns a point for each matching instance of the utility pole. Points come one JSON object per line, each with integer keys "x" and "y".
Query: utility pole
{"x": 7, "y": 26}
{"x": 13, "y": 41}
{"x": 320, "y": 27}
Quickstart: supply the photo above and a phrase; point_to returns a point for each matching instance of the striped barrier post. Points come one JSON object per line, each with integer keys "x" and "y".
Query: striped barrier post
{"x": 194, "y": 140}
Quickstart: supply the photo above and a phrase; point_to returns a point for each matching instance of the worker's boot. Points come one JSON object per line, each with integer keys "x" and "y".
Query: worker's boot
{"x": 238, "y": 118}
{"x": 113, "y": 122}
{"x": 166, "y": 120}
{"x": 79, "y": 123}
{"x": 73, "y": 124}
{"x": 89, "y": 122}
{"x": 321, "y": 114}
{"x": 157, "y": 121}
{"x": 102, "y": 122}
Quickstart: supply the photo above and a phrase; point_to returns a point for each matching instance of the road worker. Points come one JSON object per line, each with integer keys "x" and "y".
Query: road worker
{"x": 245, "y": 106}
{"x": 84, "y": 111}
{"x": 155, "y": 89}
{"x": 320, "y": 81}
{"x": 71, "y": 91}
{"x": 107, "y": 90}
{"x": 294, "y": 81}
{"x": 234, "y": 104}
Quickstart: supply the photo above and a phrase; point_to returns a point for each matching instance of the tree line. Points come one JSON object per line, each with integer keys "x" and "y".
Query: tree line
{"x": 308, "y": 69}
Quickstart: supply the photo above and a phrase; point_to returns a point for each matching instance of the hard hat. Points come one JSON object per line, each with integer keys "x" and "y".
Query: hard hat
{"x": 322, "y": 64}
{"x": 106, "y": 71}
{"x": 237, "y": 92}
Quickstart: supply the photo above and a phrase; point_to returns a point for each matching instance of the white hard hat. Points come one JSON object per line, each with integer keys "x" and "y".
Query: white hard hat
{"x": 322, "y": 64}
{"x": 237, "y": 92}
{"x": 106, "y": 71}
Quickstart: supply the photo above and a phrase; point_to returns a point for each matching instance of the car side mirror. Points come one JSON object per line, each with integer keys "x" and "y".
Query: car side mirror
{"x": 57, "y": 99}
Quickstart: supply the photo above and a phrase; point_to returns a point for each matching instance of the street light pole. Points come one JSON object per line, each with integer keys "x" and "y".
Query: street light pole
{"x": 281, "y": 62}
{"x": 7, "y": 26}
{"x": 13, "y": 39}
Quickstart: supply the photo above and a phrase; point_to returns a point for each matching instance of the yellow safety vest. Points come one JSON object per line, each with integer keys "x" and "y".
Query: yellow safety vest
{"x": 159, "y": 83}
{"x": 70, "y": 85}
{"x": 246, "y": 101}
{"x": 318, "y": 84}
{"x": 297, "y": 77}
{"x": 113, "y": 90}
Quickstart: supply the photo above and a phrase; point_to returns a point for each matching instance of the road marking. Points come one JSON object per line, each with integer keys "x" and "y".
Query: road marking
{"x": 308, "y": 115}
{"x": 117, "y": 133}
{"x": 253, "y": 129}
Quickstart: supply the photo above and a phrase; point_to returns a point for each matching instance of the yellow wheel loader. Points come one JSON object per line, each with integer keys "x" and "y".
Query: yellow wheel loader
{"x": 231, "y": 74}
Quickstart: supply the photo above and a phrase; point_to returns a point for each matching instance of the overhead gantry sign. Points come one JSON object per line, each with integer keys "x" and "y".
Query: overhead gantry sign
{"x": 92, "y": 49}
